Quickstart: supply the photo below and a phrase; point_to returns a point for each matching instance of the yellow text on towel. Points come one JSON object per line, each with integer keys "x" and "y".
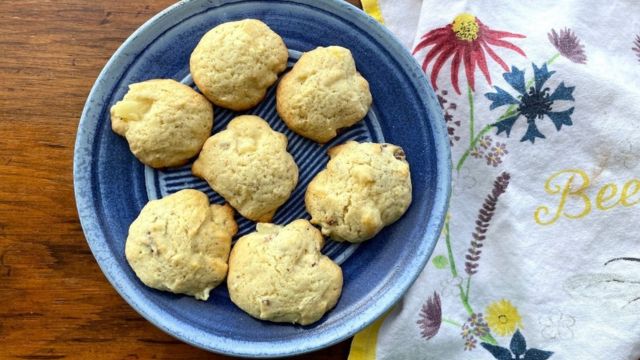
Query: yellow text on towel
{"x": 572, "y": 200}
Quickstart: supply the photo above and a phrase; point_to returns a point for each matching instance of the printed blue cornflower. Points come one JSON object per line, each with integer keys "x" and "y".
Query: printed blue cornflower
{"x": 517, "y": 350}
{"x": 533, "y": 104}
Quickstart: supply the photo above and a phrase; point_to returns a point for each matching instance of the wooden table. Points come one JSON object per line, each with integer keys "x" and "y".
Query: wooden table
{"x": 55, "y": 302}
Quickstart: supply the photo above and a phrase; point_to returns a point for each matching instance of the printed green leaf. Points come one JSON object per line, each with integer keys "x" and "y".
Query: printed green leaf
{"x": 440, "y": 262}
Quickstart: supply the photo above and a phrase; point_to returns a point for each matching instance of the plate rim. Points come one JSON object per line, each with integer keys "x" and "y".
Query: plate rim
{"x": 83, "y": 168}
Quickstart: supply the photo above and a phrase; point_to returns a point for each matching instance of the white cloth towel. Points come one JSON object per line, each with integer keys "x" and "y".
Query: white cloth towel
{"x": 540, "y": 256}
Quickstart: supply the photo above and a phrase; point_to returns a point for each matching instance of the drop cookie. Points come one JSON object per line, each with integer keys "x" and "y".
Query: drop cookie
{"x": 181, "y": 244}
{"x": 235, "y": 62}
{"x": 248, "y": 165}
{"x": 164, "y": 121}
{"x": 365, "y": 187}
{"x": 279, "y": 274}
{"x": 322, "y": 94}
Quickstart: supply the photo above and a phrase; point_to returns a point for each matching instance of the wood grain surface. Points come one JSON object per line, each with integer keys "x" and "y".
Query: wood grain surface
{"x": 54, "y": 301}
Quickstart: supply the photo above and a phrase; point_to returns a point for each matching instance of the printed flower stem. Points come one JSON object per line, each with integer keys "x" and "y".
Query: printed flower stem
{"x": 451, "y": 322}
{"x": 452, "y": 263}
{"x": 468, "y": 286}
{"x": 472, "y": 127}
{"x": 465, "y": 300}
{"x": 511, "y": 110}
{"x": 473, "y": 144}
{"x": 489, "y": 339}
{"x": 553, "y": 59}
{"x": 464, "y": 296}
{"x": 485, "y": 214}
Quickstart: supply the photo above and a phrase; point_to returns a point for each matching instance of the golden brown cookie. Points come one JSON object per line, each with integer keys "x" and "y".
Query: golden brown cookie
{"x": 279, "y": 274}
{"x": 164, "y": 121}
{"x": 323, "y": 93}
{"x": 235, "y": 62}
{"x": 181, "y": 243}
{"x": 365, "y": 187}
{"x": 248, "y": 165}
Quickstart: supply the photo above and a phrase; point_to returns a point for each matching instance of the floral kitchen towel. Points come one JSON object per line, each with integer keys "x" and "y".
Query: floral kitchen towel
{"x": 540, "y": 253}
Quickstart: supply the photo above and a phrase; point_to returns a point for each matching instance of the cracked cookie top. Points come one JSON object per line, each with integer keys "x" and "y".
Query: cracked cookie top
{"x": 235, "y": 62}
{"x": 322, "y": 94}
{"x": 365, "y": 187}
{"x": 181, "y": 243}
{"x": 164, "y": 121}
{"x": 248, "y": 165}
{"x": 279, "y": 274}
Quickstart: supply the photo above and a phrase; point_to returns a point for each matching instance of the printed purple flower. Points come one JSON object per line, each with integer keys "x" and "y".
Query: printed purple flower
{"x": 636, "y": 47}
{"x": 500, "y": 149}
{"x": 481, "y": 330}
{"x": 492, "y": 154}
{"x": 452, "y": 125}
{"x": 475, "y": 326}
{"x": 467, "y": 331}
{"x": 474, "y": 319}
{"x": 485, "y": 214}
{"x": 470, "y": 344}
{"x": 568, "y": 45}
{"x": 430, "y": 317}
{"x": 493, "y": 159}
{"x": 452, "y": 134}
{"x": 477, "y": 153}
{"x": 485, "y": 142}
{"x": 480, "y": 327}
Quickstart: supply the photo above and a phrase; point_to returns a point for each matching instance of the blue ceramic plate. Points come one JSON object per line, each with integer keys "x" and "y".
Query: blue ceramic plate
{"x": 112, "y": 186}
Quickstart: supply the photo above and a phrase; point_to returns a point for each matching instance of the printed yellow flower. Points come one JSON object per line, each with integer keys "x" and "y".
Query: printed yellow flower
{"x": 502, "y": 317}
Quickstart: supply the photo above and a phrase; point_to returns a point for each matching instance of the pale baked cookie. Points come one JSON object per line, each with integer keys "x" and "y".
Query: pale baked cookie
{"x": 235, "y": 62}
{"x": 181, "y": 243}
{"x": 248, "y": 165}
{"x": 164, "y": 121}
{"x": 365, "y": 187}
{"x": 278, "y": 273}
{"x": 322, "y": 94}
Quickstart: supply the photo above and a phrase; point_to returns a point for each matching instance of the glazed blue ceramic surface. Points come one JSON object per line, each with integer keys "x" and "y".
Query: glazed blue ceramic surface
{"x": 112, "y": 186}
